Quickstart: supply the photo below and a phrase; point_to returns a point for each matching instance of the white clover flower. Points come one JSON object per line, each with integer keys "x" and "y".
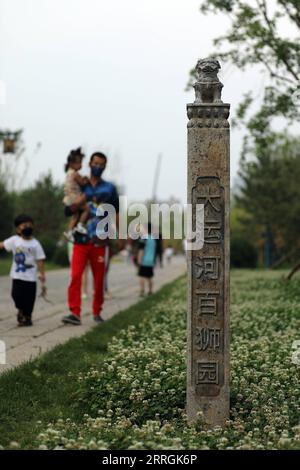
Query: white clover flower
{"x": 14, "y": 445}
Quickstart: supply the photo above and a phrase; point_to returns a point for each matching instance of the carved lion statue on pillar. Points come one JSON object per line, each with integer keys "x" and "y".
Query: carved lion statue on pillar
{"x": 208, "y": 87}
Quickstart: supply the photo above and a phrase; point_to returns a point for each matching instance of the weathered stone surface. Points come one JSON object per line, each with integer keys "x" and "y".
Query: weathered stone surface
{"x": 208, "y": 268}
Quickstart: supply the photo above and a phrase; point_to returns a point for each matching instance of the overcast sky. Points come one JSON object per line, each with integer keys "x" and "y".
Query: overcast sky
{"x": 109, "y": 75}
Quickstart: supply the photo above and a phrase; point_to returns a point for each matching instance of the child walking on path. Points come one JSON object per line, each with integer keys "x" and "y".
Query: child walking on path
{"x": 28, "y": 258}
{"x": 146, "y": 261}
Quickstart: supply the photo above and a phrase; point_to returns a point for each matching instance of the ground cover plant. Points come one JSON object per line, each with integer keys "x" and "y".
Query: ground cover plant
{"x": 134, "y": 398}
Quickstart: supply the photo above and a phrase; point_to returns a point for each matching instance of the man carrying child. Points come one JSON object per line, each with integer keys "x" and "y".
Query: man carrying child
{"x": 87, "y": 246}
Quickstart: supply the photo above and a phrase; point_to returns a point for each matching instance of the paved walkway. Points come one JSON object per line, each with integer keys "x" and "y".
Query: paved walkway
{"x": 48, "y": 331}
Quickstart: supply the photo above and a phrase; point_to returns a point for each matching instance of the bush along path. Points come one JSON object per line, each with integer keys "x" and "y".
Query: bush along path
{"x": 133, "y": 396}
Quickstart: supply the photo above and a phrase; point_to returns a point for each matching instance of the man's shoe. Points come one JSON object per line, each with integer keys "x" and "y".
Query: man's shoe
{"x": 72, "y": 319}
{"x": 98, "y": 319}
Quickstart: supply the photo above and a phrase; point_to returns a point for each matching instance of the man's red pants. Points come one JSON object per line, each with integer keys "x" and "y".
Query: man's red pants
{"x": 80, "y": 257}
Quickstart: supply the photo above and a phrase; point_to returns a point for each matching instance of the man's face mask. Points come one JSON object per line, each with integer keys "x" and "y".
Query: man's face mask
{"x": 97, "y": 171}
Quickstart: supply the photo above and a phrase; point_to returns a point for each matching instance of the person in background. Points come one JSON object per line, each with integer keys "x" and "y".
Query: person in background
{"x": 146, "y": 261}
{"x": 28, "y": 259}
{"x": 169, "y": 253}
{"x": 159, "y": 249}
{"x": 129, "y": 255}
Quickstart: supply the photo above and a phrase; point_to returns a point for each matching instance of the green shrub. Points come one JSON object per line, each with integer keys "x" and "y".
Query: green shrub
{"x": 242, "y": 254}
{"x": 49, "y": 246}
{"x": 61, "y": 255}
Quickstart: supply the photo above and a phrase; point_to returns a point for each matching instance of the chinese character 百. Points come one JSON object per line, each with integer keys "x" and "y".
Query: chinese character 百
{"x": 207, "y": 302}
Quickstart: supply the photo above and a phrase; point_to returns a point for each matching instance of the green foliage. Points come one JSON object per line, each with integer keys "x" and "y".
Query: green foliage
{"x": 61, "y": 255}
{"x": 135, "y": 399}
{"x": 242, "y": 253}
{"x": 270, "y": 190}
{"x": 43, "y": 201}
{"x": 7, "y": 210}
{"x": 49, "y": 245}
{"x": 241, "y": 223}
{"x": 243, "y": 238}
{"x": 266, "y": 35}
{"x": 255, "y": 37}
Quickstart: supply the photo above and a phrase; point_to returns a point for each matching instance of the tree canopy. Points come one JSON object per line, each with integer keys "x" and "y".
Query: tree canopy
{"x": 266, "y": 34}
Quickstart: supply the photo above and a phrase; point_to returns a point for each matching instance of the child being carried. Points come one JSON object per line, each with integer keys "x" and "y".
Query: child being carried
{"x": 74, "y": 200}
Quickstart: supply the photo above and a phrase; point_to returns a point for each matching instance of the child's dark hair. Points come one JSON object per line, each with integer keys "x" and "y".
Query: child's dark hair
{"x": 73, "y": 157}
{"x": 21, "y": 219}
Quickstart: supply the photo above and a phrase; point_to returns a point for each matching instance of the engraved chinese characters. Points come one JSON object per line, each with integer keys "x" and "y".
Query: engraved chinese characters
{"x": 207, "y": 338}
{"x": 208, "y": 267}
{"x": 208, "y": 290}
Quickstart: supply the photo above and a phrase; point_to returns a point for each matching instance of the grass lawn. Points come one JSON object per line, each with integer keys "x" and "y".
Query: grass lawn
{"x": 128, "y": 375}
{"x": 44, "y": 389}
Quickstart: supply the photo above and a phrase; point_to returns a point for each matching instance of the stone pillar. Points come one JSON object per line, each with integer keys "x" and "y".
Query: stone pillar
{"x": 208, "y": 267}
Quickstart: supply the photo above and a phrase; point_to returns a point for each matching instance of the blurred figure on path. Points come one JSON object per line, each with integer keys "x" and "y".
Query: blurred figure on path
{"x": 159, "y": 250}
{"x": 28, "y": 259}
{"x": 129, "y": 254}
{"x": 146, "y": 261}
{"x": 169, "y": 252}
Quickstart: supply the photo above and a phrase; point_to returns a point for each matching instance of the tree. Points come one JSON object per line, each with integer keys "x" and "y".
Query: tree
{"x": 243, "y": 238}
{"x": 269, "y": 166}
{"x": 270, "y": 190}
{"x": 7, "y": 211}
{"x": 255, "y": 37}
{"x": 43, "y": 202}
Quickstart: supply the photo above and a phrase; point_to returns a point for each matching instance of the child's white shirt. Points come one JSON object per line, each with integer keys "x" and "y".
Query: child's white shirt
{"x": 25, "y": 255}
